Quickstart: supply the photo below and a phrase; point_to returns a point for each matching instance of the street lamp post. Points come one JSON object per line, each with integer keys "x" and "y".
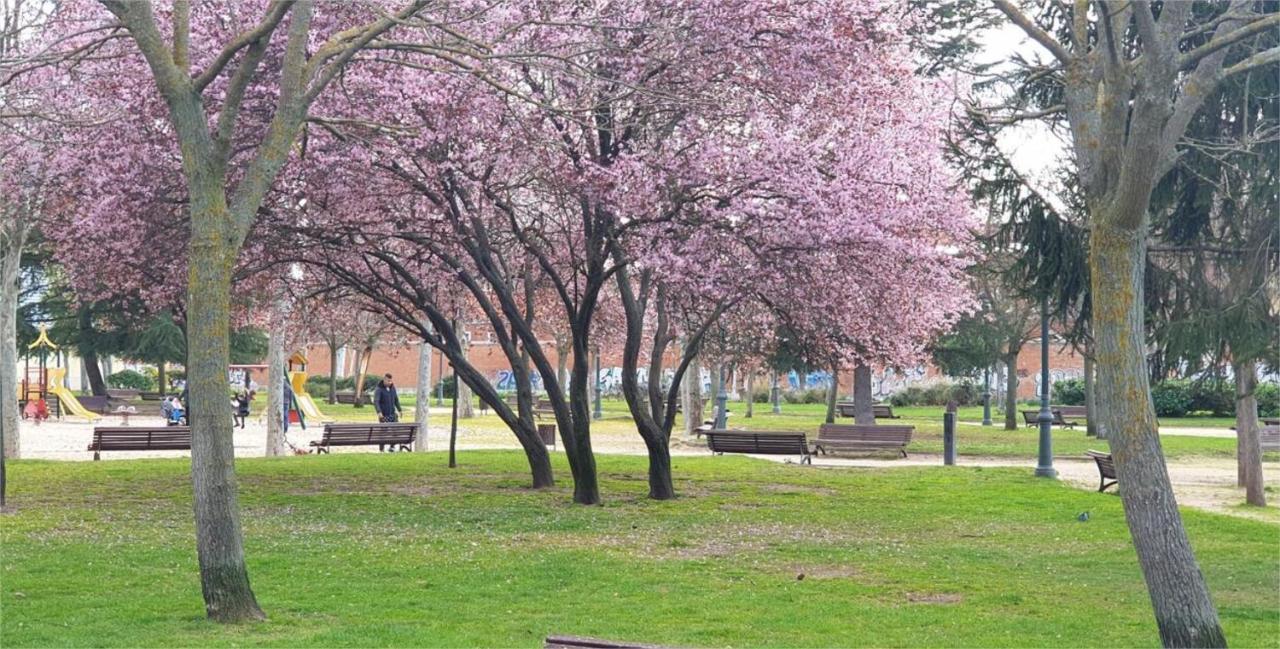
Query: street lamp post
{"x": 986, "y": 397}
{"x": 599, "y": 408}
{"x": 722, "y": 399}
{"x": 1044, "y": 468}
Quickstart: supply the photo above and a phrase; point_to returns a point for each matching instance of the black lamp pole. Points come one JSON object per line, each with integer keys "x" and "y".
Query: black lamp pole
{"x": 1044, "y": 468}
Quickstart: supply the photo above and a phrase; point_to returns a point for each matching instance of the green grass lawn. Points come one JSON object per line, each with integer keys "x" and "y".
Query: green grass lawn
{"x": 378, "y": 550}
{"x": 972, "y": 440}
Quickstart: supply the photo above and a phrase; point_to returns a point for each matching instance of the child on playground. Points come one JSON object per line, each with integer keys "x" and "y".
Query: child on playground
{"x": 241, "y": 403}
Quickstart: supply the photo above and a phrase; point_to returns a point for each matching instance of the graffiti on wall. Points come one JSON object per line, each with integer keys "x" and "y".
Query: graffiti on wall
{"x": 812, "y": 380}
{"x": 1056, "y": 375}
{"x": 888, "y": 380}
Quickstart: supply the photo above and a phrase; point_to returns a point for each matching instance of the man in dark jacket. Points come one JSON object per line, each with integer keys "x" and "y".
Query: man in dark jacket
{"x": 386, "y": 401}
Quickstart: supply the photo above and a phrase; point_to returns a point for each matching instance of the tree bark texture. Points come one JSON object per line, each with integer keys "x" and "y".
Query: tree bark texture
{"x": 276, "y": 378}
{"x": 224, "y": 579}
{"x": 465, "y": 409}
{"x": 1248, "y": 444}
{"x": 751, "y": 393}
{"x": 14, "y": 238}
{"x": 863, "y": 413}
{"x": 1011, "y": 390}
{"x": 1092, "y": 429}
{"x": 333, "y": 372}
{"x": 421, "y": 398}
{"x": 1184, "y": 612}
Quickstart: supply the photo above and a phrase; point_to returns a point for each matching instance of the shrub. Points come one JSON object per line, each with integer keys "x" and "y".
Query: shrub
{"x": 811, "y": 395}
{"x": 129, "y": 379}
{"x": 1268, "y": 395}
{"x": 1172, "y": 398}
{"x": 1068, "y": 392}
{"x": 939, "y": 393}
{"x": 1214, "y": 396}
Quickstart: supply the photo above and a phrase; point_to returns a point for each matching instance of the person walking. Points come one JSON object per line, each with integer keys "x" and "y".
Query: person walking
{"x": 386, "y": 401}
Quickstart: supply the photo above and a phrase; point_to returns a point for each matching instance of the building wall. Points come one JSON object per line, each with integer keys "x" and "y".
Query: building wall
{"x": 402, "y": 363}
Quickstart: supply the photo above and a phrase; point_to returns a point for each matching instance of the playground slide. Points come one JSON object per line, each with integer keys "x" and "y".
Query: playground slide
{"x": 305, "y": 404}
{"x": 70, "y": 404}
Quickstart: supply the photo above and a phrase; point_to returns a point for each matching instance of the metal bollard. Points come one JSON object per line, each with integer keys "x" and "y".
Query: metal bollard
{"x": 949, "y": 438}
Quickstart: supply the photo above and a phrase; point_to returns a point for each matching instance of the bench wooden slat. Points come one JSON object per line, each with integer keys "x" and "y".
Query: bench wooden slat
{"x": 1106, "y": 469}
{"x": 579, "y": 642}
{"x": 856, "y": 437}
{"x": 395, "y": 435}
{"x": 762, "y": 443}
{"x": 1269, "y": 437}
{"x": 139, "y": 438}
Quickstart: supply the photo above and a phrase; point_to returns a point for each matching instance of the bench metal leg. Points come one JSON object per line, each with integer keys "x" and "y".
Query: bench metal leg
{"x": 96, "y": 456}
{"x": 1103, "y": 485}
{"x": 806, "y": 459}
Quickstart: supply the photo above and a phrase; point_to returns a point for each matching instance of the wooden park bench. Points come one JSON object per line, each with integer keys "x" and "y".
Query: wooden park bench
{"x": 139, "y": 438}
{"x": 1269, "y": 438}
{"x": 845, "y": 437}
{"x": 348, "y": 398}
{"x": 578, "y": 642}
{"x": 766, "y": 443}
{"x": 1271, "y": 421}
{"x": 150, "y": 396}
{"x": 384, "y": 435}
{"x": 845, "y": 409}
{"x": 883, "y": 411}
{"x": 1032, "y": 419}
{"x": 1106, "y": 469}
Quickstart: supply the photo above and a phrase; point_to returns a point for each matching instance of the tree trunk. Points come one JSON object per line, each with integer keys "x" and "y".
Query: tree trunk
{"x": 366, "y": 353}
{"x": 1092, "y": 429}
{"x": 422, "y": 397}
{"x": 10, "y": 264}
{"x": 162, "y": 377}
{"x": 333, "y": 372}
{"x": 1011, "y": 390}
{"x": 224, "y": 579}
{"x": 833, "y": 394}
{"x": 463, "y": 391}
{"x": 1248, "y": 447}
{"x": 562, "y": 359}
{"x": 863, "y": 413}
{"x": 751, "y": 392}
{"x": 1184, "y": 611}
{"x": 93, "y": 369}
{"x": 276, "y": 378}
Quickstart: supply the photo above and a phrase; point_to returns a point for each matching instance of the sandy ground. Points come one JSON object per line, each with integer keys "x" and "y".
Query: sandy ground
{"x": 1204, "y": 483}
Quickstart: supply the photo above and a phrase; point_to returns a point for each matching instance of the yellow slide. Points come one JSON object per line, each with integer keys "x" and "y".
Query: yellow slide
{"x": 70, "y": 404}
{"x": 308, "y": 407}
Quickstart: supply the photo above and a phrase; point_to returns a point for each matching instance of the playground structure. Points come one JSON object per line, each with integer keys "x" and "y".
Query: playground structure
{"x": 302, "y": 400}
{"x": 44, "y": 385}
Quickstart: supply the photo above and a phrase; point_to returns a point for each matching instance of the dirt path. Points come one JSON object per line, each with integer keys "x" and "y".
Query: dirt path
{"x": 1205, "y": 483}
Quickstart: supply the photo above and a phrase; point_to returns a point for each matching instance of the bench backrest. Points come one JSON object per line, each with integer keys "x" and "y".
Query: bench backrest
{"x": 370, "y": 433}
{"x": 740, "y": 441}
{"x": 1106, "y": 465}
{"x": 1072, "y": 411}
{"x": 846, "y": 409}
{"x": 900, "y": 435}
{"x": 1269, "y": 436}
{"x": 141, "y": 438}
{"x": 882, "y": 410}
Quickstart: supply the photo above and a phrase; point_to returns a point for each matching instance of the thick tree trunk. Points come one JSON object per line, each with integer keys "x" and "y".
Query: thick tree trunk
{"x": 562, "y": 359}
{"x": 1248, "y": 444}
{"x": 1184, "y": 611}
{"x": 1092, "y": 429}
{"x": 333, "y": 373}
{"x": 833, "y": 394}
{"x": 276, "y": 378}
{"x": 9, "y": 266}
{"x": 863, "y": 413}
{"x": 693, "y": 397}
{"x": 162, "y": 377}
{"x": 93, "y": 370}
{"x": 751, "y": 393}
{"x": 421, "y": 397}
{"x": 1011, "y": 390}
{"x": 224, "y": 578}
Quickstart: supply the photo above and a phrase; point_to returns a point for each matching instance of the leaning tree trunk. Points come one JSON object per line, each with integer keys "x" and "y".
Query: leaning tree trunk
{"x": 362, "y": 370}
{"x": 422, "y": 397}
{"x": 833, "y": 394}
{"x": 224, "y": 578}
{"x": 1092, "y": 429}
{"x": 863, "y": 413}
{"x": 1011, "y": 390}
{"x": 276, "y": 378}
{"x": 1184, "y": 612}
{"x": 1248, "y": 444}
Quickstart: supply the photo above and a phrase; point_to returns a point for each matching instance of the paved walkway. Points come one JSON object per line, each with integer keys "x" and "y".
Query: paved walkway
{"x": 1198, "y": 482}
